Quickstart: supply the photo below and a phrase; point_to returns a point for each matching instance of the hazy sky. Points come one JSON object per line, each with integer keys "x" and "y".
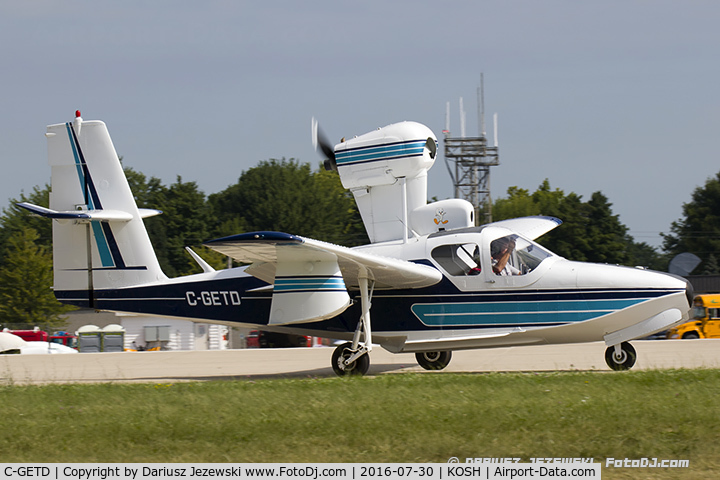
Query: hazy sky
{"x": 616, "y": 96}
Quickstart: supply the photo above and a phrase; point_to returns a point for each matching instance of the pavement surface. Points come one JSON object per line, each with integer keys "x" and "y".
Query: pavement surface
{"x": 315, "y": 362}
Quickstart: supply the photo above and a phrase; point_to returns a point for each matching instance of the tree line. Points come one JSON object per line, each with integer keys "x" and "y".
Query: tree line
{"x": 290, "y": 196}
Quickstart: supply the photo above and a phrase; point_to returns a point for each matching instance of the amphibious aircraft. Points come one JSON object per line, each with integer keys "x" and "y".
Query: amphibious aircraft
{"x": 433, "y": 281}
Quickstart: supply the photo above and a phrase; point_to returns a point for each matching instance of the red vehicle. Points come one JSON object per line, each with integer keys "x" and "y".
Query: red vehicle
{"x": 37, "y": 335}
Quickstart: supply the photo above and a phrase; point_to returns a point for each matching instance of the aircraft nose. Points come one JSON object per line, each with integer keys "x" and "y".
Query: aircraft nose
{"x": 689, "y": 293}
{"x": 689, "y": 290}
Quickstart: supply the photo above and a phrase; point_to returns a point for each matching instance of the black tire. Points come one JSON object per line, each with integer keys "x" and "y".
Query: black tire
{"x": 626, "y": 360}
{"x": 691, "y": 336}
{"x": 433, "y": 360}
{"x": 358, "y": 367}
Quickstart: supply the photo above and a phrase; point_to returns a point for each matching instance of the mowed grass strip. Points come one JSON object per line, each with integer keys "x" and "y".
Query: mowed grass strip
{"x": 428, "y": 417}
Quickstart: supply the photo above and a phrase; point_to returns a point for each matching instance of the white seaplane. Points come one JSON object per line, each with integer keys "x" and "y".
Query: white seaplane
{"x": 433, "y": 281}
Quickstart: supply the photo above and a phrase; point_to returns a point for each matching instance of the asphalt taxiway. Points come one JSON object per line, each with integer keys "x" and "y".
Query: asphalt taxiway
{"x": 315, "y": 362}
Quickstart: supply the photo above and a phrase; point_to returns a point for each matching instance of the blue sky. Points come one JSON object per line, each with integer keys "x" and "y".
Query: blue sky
{"x": 616, "y": 96}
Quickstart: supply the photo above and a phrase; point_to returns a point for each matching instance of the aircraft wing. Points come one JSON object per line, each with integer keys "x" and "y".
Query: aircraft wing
{"x": 529, "y": 227}
{"x": 263, "y": 249}
{"x": 311, "y": 278}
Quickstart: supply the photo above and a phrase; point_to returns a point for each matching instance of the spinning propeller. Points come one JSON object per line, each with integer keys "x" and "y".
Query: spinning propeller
{"x": 320, "y": 140}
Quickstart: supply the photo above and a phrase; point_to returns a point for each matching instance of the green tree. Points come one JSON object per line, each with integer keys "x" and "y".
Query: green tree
{"x": 287, "y": 196}
{"x": 25, "y": 280}
{"x": 698, "y": 231}
{"x": 185, "y": 221}
{"x": 15, "y": 219}
{"x": 711, "y": 266}
{"x": 609, "y": 234}
{"x": 146, "y": 192}
{"x": 519, "y": 203}
{"x": 590, "y": 231}
{"x": 644, "y": 255}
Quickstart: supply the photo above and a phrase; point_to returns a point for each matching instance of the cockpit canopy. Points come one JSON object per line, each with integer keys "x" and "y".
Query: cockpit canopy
{"x": 495, "y": 250}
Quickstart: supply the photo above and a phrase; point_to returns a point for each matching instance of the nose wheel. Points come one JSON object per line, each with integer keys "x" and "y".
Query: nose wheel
{"x": 620, "y": 357}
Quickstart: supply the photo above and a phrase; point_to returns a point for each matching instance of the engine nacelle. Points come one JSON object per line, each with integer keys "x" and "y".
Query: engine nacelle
{"x": 382, "y": 156}
{"x": 385, "y": 170}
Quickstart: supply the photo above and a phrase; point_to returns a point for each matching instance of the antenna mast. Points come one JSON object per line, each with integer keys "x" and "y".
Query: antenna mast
{"x": 481, "y": 105}
{"x": 473, "y": 158}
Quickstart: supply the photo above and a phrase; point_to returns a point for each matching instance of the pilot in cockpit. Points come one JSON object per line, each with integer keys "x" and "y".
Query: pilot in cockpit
{"x": 501, "y": 251}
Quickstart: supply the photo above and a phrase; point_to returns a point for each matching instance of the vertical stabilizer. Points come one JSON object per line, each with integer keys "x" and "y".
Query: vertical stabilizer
{"x": 99, "y": 238}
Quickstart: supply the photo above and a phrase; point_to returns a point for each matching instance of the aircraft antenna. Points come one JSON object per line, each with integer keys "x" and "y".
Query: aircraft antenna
{"x": 481, "y": 105}
{"x": 446, "y": 134}
{"x": 495, "y": 128}
{"x": 447, "y": 118}
{"x": 472, "y": 158}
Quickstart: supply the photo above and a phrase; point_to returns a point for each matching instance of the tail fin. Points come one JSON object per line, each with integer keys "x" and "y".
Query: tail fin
{"x": 99, "y": 238}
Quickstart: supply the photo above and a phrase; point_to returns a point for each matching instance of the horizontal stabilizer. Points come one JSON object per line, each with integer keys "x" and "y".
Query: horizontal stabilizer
{"x": 148, "y": 212}
{"x": 87, "y": 215}
{"x": 265, "y": 250}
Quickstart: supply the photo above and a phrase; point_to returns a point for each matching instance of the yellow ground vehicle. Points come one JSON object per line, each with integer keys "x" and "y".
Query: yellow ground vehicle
{"x": 705, "y": 321}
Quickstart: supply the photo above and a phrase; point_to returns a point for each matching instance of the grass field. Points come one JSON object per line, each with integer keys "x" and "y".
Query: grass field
{"x": 428, "y": 417}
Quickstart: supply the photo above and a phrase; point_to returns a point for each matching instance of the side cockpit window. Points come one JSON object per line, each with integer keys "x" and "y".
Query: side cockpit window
{"x": 458, "y": 259}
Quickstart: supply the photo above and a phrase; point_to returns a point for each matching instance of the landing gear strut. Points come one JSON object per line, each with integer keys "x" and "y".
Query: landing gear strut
{"x": 352, "y": 358}
{"x": 433, "y": 360}
{"x": 621, "y": 356}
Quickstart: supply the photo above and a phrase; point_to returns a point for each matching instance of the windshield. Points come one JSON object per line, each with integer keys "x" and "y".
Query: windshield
{"x": 530, "y": 254}
{"x": 515, "y": 255}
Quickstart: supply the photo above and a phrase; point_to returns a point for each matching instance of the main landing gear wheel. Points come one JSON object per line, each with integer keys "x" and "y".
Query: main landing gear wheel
{"x": 433, "y": 360}
{"x": 359, "y": 367}
{"x": 622, "y": 360}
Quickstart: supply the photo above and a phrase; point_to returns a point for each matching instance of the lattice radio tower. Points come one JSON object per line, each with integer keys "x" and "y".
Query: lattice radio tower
{"x": 472, "y": 159}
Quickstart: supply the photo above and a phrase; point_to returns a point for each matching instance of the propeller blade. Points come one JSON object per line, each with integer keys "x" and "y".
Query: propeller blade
{"x": 320, "y": 141}
{"x": 432, "y": 147}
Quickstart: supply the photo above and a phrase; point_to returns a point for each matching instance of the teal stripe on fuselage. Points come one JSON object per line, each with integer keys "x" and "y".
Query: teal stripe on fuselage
{"x": 497, "y": 313}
